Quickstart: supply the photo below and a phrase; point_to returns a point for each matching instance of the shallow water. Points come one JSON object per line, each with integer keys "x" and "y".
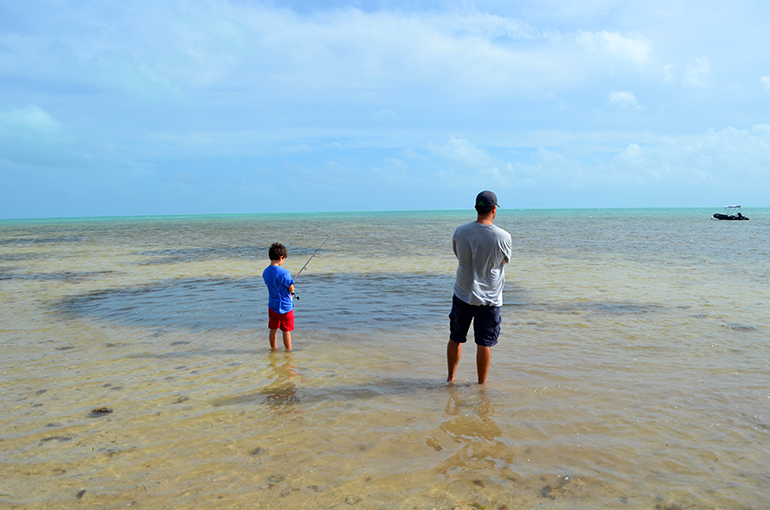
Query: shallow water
{"x": 632, "y": 370}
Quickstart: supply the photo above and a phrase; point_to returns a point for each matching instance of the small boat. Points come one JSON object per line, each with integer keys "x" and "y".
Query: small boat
{"x": 732, "y": 212}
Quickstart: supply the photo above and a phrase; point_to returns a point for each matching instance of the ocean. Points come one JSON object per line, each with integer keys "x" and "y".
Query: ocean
{"x": 633, "y": 369}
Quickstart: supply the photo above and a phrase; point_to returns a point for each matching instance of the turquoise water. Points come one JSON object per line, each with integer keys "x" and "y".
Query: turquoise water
{"x": 632, "y": 370}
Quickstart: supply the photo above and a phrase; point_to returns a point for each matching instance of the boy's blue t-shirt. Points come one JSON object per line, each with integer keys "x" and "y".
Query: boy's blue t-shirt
{"x": 278, "y": 281}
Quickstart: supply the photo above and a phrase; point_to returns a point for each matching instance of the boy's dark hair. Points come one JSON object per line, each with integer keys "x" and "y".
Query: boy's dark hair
{"x": 277, "y": 250}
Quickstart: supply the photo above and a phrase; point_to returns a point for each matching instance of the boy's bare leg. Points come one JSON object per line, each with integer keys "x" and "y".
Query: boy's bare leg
{"x": 287, "y": 340}
{"x": 483, "y": 360}
{"x": 273, "y": 339}
{"x": 454, "y": 350}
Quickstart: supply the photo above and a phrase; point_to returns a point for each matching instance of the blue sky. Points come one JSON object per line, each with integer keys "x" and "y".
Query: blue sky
{"x": 234, "y": 106}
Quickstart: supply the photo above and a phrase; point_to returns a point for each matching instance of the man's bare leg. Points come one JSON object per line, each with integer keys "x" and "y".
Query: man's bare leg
{"x": 483, "y": 360}
{"x": 454, "y": 350}
{"x": 273, "y": 339}
{"x": 287, "y": 340}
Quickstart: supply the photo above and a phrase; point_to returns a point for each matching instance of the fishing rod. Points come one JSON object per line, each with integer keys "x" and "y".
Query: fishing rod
{"x": 308, "y": 262}
{"x": 311, "y": 258}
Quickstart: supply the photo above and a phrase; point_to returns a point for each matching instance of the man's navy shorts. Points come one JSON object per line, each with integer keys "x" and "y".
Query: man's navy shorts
{"x": 486, "y": 322}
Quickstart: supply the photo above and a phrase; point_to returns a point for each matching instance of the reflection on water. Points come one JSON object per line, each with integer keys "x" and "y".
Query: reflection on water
{"x": 472, "y": 425}
{"x": 473, "y": 416}
{"x": 282, "y": 391}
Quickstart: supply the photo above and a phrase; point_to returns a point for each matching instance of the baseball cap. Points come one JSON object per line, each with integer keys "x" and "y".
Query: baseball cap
{"x": 486, "y": 199}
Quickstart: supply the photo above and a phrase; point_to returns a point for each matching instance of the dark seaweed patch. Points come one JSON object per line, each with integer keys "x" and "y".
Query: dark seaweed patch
{"x": 175, "y": 256}
{"x": 740, "y": 327}
{"x": 661, "y": 506}
{"x": 61, "y": 439}
{"x": 65, "y": 276}
{"x": 339, "y": 302}
{"x": 21, "y": 257}
{"x": 546, "y": 492}
{"x": 39, "y": 240}
{"x": 609, "y": 308}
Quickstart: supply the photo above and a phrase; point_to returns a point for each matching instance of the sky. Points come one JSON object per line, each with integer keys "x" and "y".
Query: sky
{"x": 244, "y": 106}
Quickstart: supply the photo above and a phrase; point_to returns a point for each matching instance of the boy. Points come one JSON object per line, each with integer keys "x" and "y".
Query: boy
{"x": 280, "y": 307}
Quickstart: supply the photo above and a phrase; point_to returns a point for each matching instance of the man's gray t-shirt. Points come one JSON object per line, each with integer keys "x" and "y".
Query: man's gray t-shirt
{"x": 482, "y": 251}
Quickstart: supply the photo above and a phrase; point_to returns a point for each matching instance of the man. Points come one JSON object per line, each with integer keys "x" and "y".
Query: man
{"x": 482, "y": 250}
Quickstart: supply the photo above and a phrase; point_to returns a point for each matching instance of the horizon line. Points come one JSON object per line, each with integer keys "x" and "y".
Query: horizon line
{"x": 370, "y": 211}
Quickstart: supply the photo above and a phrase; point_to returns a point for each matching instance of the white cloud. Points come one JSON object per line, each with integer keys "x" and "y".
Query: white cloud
{"x": 461, "y": 163}
{"x": 624, "y": 99}
{"x": 765, "y": 81}
{"x": 31, "y": 137}
{"x": 718, "y": 159}
{"x": 168, "y": 50}
{"x": 632, "y": 153}
{"x": 632, "y": 48}
{"x": 462, "y": 153}
{"x": 417, "y": 157}
{"x": 386, "y": 114}
{"x": 29, "y": 119}
{"x": 549, "y": 157}
{"x": 698, "y": 73}
{"x": 482, "y": 25}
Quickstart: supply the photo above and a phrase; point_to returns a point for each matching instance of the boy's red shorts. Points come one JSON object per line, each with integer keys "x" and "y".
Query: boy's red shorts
{"x": 282, "y": 321}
